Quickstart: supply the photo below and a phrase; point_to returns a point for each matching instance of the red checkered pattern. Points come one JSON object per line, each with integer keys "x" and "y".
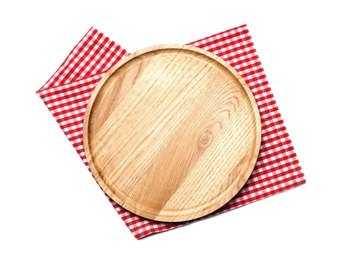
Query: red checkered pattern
{"x": 67, "y": 92}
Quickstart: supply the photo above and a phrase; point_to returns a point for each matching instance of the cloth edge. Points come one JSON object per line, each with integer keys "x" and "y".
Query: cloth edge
{"x": 45, "y": 85}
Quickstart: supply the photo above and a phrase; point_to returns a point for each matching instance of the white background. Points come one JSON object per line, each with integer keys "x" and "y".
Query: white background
{"x": 312, "y": 53}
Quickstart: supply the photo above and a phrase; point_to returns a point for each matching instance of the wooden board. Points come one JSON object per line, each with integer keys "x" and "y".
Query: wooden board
{"x": 172, "y": 133}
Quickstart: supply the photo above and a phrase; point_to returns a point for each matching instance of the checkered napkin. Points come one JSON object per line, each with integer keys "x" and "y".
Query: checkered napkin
{"x": 67, "y": 92}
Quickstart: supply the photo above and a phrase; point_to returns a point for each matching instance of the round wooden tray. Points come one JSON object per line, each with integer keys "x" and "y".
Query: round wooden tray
{"x": 172, "y": 133}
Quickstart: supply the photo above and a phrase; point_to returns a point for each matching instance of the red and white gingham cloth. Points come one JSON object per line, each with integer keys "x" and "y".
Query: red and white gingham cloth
{"x": 67, "y": 92}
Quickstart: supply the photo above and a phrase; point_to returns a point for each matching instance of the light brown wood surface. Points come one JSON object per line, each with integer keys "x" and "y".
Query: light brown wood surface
{"x": 172, "y": 133}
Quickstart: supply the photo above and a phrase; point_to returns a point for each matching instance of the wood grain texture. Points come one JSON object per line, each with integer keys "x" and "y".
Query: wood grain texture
{"x": 172, "y": 133}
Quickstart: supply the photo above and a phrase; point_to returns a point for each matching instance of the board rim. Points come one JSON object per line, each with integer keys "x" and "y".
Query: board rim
{"x": 179, "y": 217}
